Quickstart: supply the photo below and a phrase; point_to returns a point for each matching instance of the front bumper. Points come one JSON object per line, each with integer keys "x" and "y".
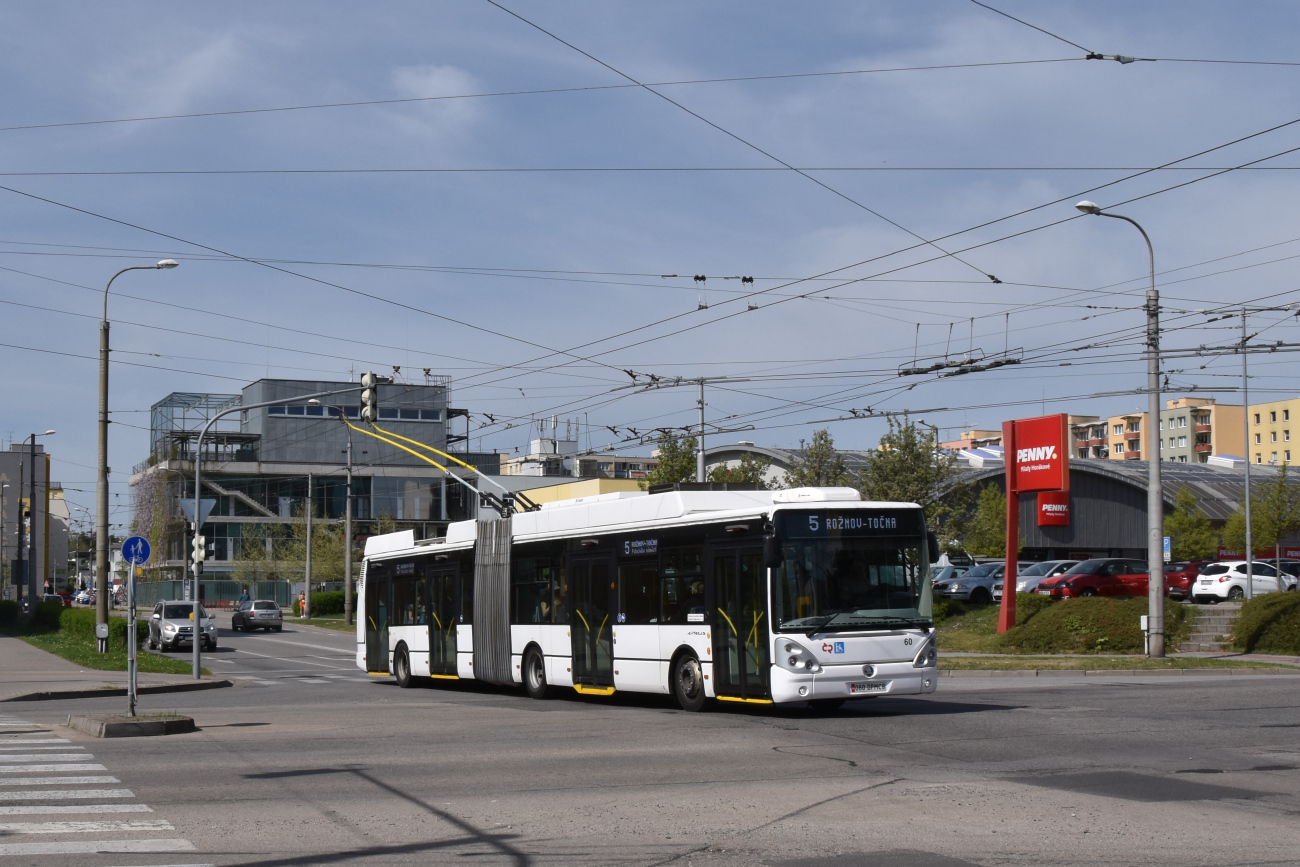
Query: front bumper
{"x": 890, "y": 678}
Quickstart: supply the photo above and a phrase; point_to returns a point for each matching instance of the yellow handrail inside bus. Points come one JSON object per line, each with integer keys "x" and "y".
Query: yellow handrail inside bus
{"x": 728, "y": 619}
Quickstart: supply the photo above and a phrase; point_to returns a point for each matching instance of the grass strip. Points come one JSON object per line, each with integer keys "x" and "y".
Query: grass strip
{"x": 1056, "y": 663}
{"x": 79, "y": 651}
{"x": 335, "y": 623}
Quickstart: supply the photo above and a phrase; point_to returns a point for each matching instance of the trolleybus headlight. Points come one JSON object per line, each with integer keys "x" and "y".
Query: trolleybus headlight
{"x": 792, "y": 656}
{"x": 926, "y": 656}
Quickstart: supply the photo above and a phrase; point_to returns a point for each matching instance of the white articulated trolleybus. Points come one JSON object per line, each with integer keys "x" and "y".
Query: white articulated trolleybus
{"x": 746, "y": 596}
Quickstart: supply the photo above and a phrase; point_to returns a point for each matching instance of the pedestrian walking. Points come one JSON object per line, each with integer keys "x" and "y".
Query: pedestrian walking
{"x": 302, "y": 605}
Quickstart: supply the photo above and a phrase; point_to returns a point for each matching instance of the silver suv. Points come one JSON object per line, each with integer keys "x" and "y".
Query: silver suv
{"x": 172, "y": 625}
{"x": 257, "y": 614}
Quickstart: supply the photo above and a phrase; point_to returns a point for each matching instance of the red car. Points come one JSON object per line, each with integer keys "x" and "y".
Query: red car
{"x": 1179, "y": 578}
{"x": 1100, "y": 577}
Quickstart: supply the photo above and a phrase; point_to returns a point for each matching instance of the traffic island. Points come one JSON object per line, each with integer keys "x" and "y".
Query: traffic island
{"x": 123, "y": 726}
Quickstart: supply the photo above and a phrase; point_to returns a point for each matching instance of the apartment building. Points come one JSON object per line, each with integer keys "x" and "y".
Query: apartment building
{"x": 1271, "y": 427}
{"x": 1089, "y": 436}
{"x": 1192, "y": 429}
{"x": 1124, "y": 436}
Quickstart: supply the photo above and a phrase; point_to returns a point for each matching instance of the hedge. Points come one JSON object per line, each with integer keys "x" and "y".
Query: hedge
{"x": 324, "y": 603}
{"x": 1092, "y": 625}
{"x": 1269, "y": 623}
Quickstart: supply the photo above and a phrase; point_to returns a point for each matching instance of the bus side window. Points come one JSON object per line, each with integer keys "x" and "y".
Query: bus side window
{"x": 681, "y": 585}
{"x": 638, "y": 595}
{"x": 404, "y": 602}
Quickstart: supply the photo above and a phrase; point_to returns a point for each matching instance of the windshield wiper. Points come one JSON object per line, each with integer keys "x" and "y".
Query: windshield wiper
{"x": 867, "y": 618}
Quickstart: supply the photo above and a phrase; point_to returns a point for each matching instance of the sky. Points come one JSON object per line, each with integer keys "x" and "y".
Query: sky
{"x": 535, "y": 231}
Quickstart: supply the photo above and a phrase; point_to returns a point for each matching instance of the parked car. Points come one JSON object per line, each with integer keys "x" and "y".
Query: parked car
{"x": 85, "y": 597}
{"x": 975, "y": 586}
{"x": 1028, "y": 579}
{"x": 944, "y": 573}
{"x": 1227, "y": 580}
{"x": 1179, "y": 578}
{"x": 55, "y": 597}
{"x": 1103, "y": 576}
{"x": 171, "y": 625}
{"x": 257, "y": 614}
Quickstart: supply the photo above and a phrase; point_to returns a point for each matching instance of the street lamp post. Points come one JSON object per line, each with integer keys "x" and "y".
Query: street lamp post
{"x": 198, "y": 486}
{"x": 101, "y": 485}
{"x": 3, "y": 488}
{"x": 1155, "y": 492}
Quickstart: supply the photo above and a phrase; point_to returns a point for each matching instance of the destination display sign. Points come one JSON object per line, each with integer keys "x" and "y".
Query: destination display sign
{"x": 856, "y": 522}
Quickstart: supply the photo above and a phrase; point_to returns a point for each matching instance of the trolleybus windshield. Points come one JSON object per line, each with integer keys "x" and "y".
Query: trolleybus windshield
{"x": 850, "y": 569}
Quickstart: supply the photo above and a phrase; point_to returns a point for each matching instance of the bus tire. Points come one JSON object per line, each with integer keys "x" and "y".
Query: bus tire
{"x": 402, "y": 666}
{"x": 535, "y": 674}
{"x": 688, "y": 683}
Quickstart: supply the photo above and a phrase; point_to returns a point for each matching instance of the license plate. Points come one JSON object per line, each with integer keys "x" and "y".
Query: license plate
{"x": 866, "y": 687}
{"x": 1045, "y": 592}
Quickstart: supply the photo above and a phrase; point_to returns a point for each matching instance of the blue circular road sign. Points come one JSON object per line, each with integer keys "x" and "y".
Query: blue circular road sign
{"x": 136, "y": 550}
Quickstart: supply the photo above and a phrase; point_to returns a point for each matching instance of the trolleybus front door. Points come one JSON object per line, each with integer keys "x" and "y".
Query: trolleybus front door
{"x": 740, "y": 645}
{"x": 377, "y": 604}
{"x": 444, "y": 591}
{"x": 591, "y": 595}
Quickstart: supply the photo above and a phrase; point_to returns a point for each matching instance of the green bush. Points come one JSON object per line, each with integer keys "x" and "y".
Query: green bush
{"x": 325, "y": 603}
{"x": 1269, "y": 623}
{"x": 47, "y": 614}
{"x": 80, "y": 623}
{"x": 8, "y": 612}
{"x": 1089, "y": 625}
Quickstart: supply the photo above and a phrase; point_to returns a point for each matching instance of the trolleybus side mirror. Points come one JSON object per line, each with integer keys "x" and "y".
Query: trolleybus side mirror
{"x": 771, "y": 552}
{"x": 933, "y": 541}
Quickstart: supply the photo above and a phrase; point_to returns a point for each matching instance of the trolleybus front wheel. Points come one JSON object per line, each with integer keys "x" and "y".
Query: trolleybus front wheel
{"x": 688, "y": 683}
{"x": 402, "y": 667}
{"x": 535, "y": 674}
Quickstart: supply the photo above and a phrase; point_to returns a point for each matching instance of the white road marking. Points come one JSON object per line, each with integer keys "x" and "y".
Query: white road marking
{"x": 183, "y": 865}
{"x": 66, "y": 794}
{"x": 33, "y": 741}
{"x": 74, "y": 809}
{"x": 302, "y": 644}
{"x": 283, "y": 659}
{"x": 47, "y": 757}
{"x": 28, "y": 769}
{"x": 54, "y": 781}
{"x": 30, "y": 748}
{"x": 310, "y": 680}
{"x": 111, "y": 826}
{"x": 80, "y": 847}
{"x": 16, "y": 724}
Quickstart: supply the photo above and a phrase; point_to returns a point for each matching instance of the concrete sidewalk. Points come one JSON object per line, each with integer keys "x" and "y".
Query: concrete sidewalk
{"x": 31, "y": 674}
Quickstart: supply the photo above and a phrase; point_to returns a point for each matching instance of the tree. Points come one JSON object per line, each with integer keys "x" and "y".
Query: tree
{"x": 909, "y": 467}
{"x": 986, "y": 532}
{"x": 751, "y": 469}
{"x": 677, "y": 458}
{"x": 1274, "y": 515}
{"x": 1190, "y": 535}
{"x": 817, "y": 465}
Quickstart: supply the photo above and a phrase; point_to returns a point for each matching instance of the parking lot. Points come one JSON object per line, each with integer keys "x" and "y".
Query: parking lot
{"x": 308, "y": 761}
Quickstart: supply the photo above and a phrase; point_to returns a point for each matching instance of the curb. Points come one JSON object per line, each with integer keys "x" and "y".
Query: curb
{"x": 1115, "y": 672}
{"x": 55, "y": 695}
{"x": 128, "y": 727}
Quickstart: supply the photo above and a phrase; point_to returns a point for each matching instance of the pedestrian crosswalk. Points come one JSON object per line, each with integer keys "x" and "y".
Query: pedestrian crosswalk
{"x": 90, "y": 821}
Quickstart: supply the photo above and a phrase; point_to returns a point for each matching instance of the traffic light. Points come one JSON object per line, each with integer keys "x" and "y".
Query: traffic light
{"x": 370, "y": 397}
{"x": 200, "y": 549}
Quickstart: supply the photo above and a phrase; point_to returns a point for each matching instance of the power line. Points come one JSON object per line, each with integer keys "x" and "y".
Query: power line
{"x": 549, "y": 90}
{"x": 737, "y": 138}
{"x": 492, "y": 170}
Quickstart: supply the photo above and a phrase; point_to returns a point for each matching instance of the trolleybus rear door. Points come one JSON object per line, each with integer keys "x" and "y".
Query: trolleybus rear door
{"x": 378, "y": 587}
{"x": 740, "y": 645}
{"x": 591, "y": 601}
{"x": 444, "y": 592}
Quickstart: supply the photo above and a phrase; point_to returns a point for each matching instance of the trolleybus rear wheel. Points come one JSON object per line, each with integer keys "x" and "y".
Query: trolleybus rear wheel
{"x": 688, "y": 683}
{"x": 535, "y": 674}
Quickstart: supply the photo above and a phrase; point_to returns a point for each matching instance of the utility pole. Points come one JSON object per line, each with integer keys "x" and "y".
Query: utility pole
{"x": 21, "y": 577}
{"x": 1155, "y": 491}
{"x": 699, "y": 460}
{"x": 347, "y": 538}
{"x": 1245, "y": 422}
{"x": 31, "y": 535}
{"x": 306, "y": 599}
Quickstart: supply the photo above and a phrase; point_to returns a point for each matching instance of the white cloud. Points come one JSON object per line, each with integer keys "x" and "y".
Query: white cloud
{"x": 172, "y": 81}
{"x": 440, "y": 119}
